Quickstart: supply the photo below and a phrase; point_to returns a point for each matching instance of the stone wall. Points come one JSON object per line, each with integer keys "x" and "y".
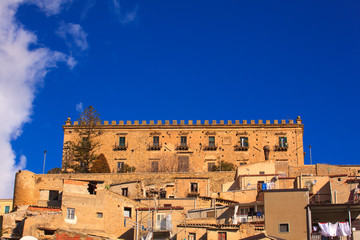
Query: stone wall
{"x": 137, "y": 150}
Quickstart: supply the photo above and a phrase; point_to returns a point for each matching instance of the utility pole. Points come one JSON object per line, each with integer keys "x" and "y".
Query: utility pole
{"x": 310, "y": 155}
{"x": 44, "y": 161}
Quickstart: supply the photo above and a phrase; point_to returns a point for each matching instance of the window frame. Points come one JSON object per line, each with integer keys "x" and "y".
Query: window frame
{"x": 122, "y": 143}
{"x": 288, "y": 227}
{"x": 211, "y": 141}
{"x": 7, "y": 209}
{"x": 244, "y": 141}
{"x": 125, "y": 191}
{"x": 156, "y": 141}
{"x": 196, "y": 187}
{"x": 127, "y": 210}
{"x": 121, "y": 164}
{"x": 70, "y": 213}
{"x": 283, "y": 142}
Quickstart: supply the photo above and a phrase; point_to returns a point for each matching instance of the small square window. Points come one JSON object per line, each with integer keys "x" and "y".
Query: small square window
{"x": 192, "y": 236}
{"x": 154, "y": 166}
{"x": 70, "y": 213}
{"x": 127, "y": 212}
{"x": 7, "y": 209}
{"x": 194, "y": 187}
{"x": 339, "y": 179}
{"x": 284, "y": 227}
{"x": 211, "y": 166}
{"x": 53, "y": 195}
{"x": 99, "y": 214}
{"x": 124, "y": 192}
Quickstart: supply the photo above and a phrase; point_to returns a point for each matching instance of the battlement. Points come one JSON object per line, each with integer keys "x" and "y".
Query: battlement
{"x": 204, "y": 123}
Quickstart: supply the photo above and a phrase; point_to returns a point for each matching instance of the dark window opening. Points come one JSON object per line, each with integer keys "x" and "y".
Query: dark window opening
{"x": 7, "y": 209}
{"x": 156, "y": 141}
{"x": 18, "y": 228}
{"x": 127, "y": 212}
{"x": 124, "y": 192}
{"x": 192, "y": 236}
{"x": 211, "y": 141}
{"x": 183, "y": 141}
{"x": 163, "y": 195}
{"x": 122, "y": 141}
{"x": 242, "y": 163}
{"x": 283, "y": 142}
{"x": 92, "y": 188}
{"x": 261, "y": 172}
{"x": 284, "y": 227}
{"x": 339, "y": 179}
{"x": 211, "y": 166}
{"x": 49, "y": 232}
{"x": 53, "y": 195}
{"x": 154, "y": 166}
{"x": 99, "y": 214}
{"x": 120, "y": 165}
{"x": 194, "y": 187}
{"x": 244, "y": 142}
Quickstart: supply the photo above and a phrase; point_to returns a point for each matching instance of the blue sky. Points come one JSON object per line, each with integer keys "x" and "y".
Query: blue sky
{"x": 189, "y": 60}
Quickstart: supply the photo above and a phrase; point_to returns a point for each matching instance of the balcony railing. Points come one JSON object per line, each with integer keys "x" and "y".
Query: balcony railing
{"x": 240, "y": 148}
{"x": 120, "y": 147}
{"x": 210, "y": 147}
{"x": 283, "y": 147}
{"x": 193, "y": 194}
{"x": 154, "y": 146}
{"x": 182, "y": 146}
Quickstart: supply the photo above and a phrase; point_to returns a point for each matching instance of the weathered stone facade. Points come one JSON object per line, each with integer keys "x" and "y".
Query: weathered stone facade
{"x": 195, "y": 146}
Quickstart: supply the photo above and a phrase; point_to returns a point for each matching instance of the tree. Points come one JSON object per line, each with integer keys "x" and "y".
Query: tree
{"x": 54, "y": 171}
{"x": 82, "y": 150}
{"x": 100, "y": 165}
{"x": 224, "y": 166}
{"x": 126, "y": 168}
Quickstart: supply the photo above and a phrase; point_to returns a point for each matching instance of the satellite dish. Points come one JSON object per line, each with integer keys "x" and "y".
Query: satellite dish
{"x": 28, "y": 238}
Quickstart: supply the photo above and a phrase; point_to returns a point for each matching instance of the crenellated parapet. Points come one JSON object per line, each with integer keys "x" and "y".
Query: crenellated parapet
{"x": 202, "y": 123}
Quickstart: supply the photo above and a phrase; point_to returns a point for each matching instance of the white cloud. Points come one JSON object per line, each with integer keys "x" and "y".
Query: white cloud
{"x": 21, "y": 72}
{"x": 124, "y": 17}
{"x": 79, "y": 107}
{"x": 73, "y": 35}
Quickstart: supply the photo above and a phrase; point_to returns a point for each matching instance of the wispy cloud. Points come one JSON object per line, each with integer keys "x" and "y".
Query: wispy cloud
{"x": 79, "y": 107}
{"x": 22, "y": 71}
{"x": 74, "y": 35}
{"x": 124, "y": 16}
{"x": 88, "y": 5}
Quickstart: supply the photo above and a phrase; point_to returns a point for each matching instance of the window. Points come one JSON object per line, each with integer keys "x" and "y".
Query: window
{"x": 7, "y": 209}
{"x": 156, "y": 141}
{"x": 160, "y": 221}
{"x": 242, "y": 163}
{"x": 192, "y": 236}
{"x": 211, "y": 166}
{"x": 120, "y": 165}
{"x": 121, "y": 141}
{"x": 283, "y": 142}
{"x": 261, "y": 172}
{"x": 127, "y": 212}
{"x": 244, "y": 142}
{"x": 183, "y": 141}
{"x": 221, "y": 235}
{"x": 154, "y": 166}
{"x": 53, "y": 195}
{"x": 284, "y": 227}
{"x": 194, "y": 187}
{"x": 49, "y": 232}
{"x": 99, "y": 214}
{"x": 211, "y": 141}
{"x": 124, "y": 192}
{"x": 70, "y": 213}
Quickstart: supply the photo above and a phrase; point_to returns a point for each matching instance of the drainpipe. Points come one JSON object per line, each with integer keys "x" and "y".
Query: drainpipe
{"x": 137, "y": 226}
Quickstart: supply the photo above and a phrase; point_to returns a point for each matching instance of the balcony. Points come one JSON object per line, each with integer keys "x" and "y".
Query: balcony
{"x": 182, "y": 147}
{"x": 154, "y": 146}
{"x": 210, "y": 147}
{"x": 120, "y": 147}
{"x": 193, "y": 194}
{"x": 283, "y": 147}
{"x": 240, "y": 148}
